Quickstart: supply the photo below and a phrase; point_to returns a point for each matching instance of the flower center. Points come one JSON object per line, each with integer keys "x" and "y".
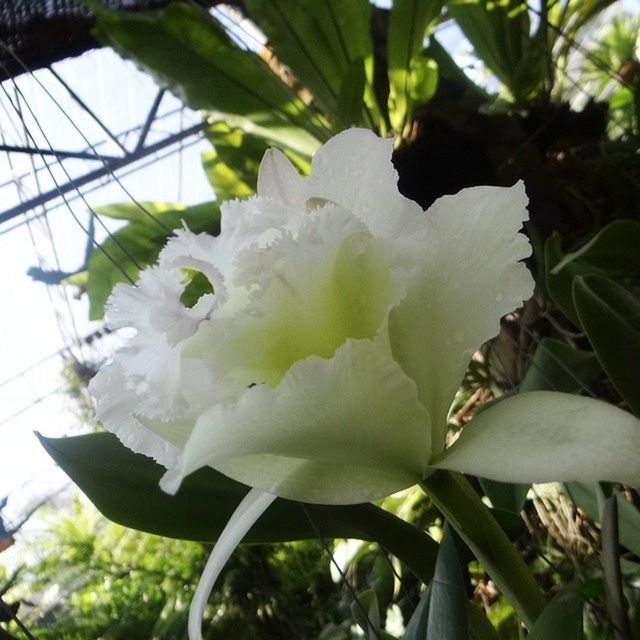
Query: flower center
{"x": 307, "y": 297}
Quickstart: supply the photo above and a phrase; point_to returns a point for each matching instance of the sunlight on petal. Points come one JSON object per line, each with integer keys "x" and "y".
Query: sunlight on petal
{"x": 471, "y": 276}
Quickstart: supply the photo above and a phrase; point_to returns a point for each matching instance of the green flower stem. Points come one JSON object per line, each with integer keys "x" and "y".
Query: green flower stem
{"x": 467, "y": 514}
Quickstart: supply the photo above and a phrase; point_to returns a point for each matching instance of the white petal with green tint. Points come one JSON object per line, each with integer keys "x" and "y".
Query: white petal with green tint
{"x": 470, "y": 275}
{"x": 352, "y": 170}
{"x": 545, "y": 436}
{"x": 279, "y": 180}
{"x": 309, "y": 293}
{"x": 335, "y": 431}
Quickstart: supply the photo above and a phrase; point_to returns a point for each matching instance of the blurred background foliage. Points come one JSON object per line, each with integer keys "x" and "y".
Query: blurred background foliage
{"x": 551, "y": 96}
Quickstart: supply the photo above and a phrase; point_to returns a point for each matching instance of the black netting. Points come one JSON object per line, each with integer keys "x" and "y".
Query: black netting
{"x": 40, "y": 32}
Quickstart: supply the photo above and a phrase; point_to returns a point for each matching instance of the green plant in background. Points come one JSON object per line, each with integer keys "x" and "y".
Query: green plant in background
{"x": 98, "y": 579}
{"x": 331, "y": 65}
{"x": 612, "y": 71}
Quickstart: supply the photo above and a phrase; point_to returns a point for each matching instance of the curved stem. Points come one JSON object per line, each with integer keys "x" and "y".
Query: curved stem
{"x": 467, "y": 514}
{"x": 253, "y": 505}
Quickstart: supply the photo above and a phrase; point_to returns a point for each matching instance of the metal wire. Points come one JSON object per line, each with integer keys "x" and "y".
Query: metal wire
{"x": 62, "y": 195}
{"x": 77, "y": 128}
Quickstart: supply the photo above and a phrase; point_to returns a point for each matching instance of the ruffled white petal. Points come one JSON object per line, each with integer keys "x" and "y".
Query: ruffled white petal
{"x": 545, "y": 436}
{"x": 336, "y": 431}
{"x": 116, "y": 407}
{"x": 252, "y": 223}
{"x": 470, "y": 276}
{"x": 310, "y": 292}
{"x": 352, "y": 170}
{"x": 194, "y": 251}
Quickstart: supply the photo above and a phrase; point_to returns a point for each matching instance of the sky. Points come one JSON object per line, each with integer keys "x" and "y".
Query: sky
{"x": 37, "y": 321}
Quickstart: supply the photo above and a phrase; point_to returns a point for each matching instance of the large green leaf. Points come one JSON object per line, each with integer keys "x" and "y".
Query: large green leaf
{"x": 184, "y": 49}
{"x": 590, "y": 497}
{"x": 561, "y": 619}
{"x": 366, "y": 612}
{"x": 443, "y": 610}
{"x": 326, "y": 43}
{"x": 143, "y": 212}
{"x": 556, "y": 366}
{"x": 610, "y": 558}
{"x": 124, "y": 487}
{"x": 509, "y": 496}
{"x": 233, "y": 164}
{"x": 409, "y": 76}
{"x": 137, "y": 245}
{"x": 480, "y": 628}
{"x": 499, "y": 33}
{"x": 559, "y": 284}
{"x": 610, "y": 315}
{"x": 448, "y": 607}
{"x": 448, "y": 69}
{"x": 628, "y": 524}
{"x": 613, "y": 251}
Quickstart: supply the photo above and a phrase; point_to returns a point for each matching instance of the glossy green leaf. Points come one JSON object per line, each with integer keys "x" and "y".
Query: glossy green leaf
{"x": 418, "y": 623}
{"x": 509, "y": 496}
{"x": 186, "y": 51}
{"x": 142, "y": 212}
{"x": 499, "y": 33}
{"x": 628, "y": 524}
{"x": 561, "y": 619}
{"x": 610, "y": 315}
{"x": 447, "y": 618}
{"x": 410, "y": 80}
{"x": 585, "y": 495}
{"x": 423, "y": 80}
{"x": 366, "y": 612}
{"x": 480, "y": 627}
{"x": 124, "y": 487}
{"x": 136, "y": 246}
{"x": 464, "y": 510}
{"x": 556, "y": 366}
{"x": 349, "y": 103}
{"x": 383, "y": 581}
{"x": 590, "y": 497}
{"x": 559, "y": 285}
{"x": 5, "y": 635}
{"x": 448, "y": 69}
{"x": 615, "y": 598}
{"x": 613, "y": 251}
{"x": 223, "y": 178}
{"x": 320, "y": 41}
{"x": 239, "y": 152}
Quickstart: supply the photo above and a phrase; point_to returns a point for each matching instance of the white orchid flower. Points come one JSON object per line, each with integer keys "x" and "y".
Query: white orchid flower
{"x": 323, "y": 366}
